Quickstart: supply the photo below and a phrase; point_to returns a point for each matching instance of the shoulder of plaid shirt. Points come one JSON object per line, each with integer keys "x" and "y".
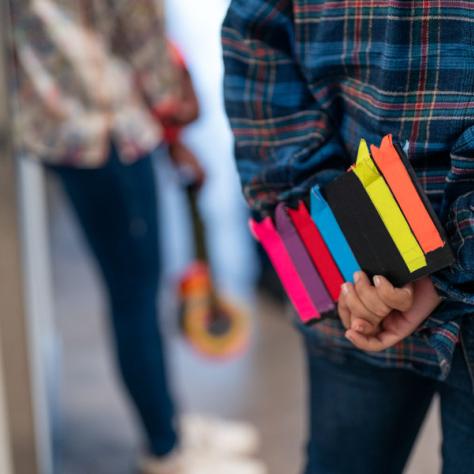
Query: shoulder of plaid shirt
{"x": 305, "y": 80}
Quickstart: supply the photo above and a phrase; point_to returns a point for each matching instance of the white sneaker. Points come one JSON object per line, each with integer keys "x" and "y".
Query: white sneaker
{"x": 196, "y": 463}
{"x": 202, "y": 433}
{"x": 170, "y": 464}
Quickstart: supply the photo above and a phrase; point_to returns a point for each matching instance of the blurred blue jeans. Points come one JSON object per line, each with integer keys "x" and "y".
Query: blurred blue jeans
{"x": 364, "y": 419}
{"x": 116, "y": 206}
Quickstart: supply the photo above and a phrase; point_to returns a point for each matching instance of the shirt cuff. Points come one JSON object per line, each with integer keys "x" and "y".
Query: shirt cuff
{"x": 456, "y": 283}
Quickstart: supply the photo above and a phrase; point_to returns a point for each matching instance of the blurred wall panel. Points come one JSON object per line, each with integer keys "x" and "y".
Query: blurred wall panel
{"x": 41, "y": 334}
{"x": 18, "y": 385}
{"x": 5, "y": 460}
{"x": 13, "y": 338}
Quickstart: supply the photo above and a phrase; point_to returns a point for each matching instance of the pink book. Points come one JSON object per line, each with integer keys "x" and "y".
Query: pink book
{"x": 266, "y": 233}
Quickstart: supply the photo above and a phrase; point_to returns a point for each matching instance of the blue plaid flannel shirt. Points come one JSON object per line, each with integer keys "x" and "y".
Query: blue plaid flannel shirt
{"x": 306, "y": 79}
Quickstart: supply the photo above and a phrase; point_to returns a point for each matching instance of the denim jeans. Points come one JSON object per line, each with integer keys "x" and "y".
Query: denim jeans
{"x": 117, "y": 209}
{"x": 364, "y": 419}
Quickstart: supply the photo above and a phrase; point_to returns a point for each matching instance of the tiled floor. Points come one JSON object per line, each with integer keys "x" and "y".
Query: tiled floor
{"x": 266, "y": 386}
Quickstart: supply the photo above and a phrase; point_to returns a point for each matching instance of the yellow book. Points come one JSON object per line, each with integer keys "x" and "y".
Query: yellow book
{"x": 388, "y": 209}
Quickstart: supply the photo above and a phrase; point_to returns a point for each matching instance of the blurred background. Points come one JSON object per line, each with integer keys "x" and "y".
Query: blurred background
{"x": 61, "y": 403}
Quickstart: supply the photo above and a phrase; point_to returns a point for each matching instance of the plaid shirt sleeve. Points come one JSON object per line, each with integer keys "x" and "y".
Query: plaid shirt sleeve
{"x": 457, "y": 283}
{"x": 284, "y": 141}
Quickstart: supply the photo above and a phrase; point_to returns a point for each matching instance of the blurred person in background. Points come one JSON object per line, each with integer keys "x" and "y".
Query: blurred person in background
{"x": 305, "y": 81}
{"x": 97, "y": 91}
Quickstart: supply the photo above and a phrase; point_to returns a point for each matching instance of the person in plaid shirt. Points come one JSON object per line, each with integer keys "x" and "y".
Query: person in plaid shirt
{"x": 305, "y": 80}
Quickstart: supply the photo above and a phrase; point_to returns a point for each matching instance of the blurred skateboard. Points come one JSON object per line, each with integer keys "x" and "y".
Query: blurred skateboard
{"x": 210, "y": 323}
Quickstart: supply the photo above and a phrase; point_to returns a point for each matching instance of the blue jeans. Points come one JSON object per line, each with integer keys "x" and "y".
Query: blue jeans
{"x": 364, "y": 419}
{"x": 117, "y": 209}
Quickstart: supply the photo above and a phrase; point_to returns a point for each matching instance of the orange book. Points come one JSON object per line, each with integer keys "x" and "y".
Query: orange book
{"x": 389, "y": 161}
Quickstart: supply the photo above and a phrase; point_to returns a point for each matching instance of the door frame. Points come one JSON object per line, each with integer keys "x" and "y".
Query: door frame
{"x": 22, "y": 428}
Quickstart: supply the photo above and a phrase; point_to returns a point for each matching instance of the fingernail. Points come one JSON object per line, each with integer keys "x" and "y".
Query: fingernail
{"x": 359, "y": 327}
{"x": 356, "y": 277}
{"x": 377, "y": 280}
{"x": 345, "y": 288}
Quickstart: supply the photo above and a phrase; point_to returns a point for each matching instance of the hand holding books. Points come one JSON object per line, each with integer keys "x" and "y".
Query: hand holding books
{"x": 397, "y": 324}
{"x": 374, "y": 220}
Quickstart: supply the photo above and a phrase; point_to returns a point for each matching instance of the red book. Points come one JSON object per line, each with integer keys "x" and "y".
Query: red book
{"x": 317, "y": 249}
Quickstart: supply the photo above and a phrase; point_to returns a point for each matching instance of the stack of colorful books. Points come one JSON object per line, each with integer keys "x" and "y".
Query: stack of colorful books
{"x": 375, "y": 218}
